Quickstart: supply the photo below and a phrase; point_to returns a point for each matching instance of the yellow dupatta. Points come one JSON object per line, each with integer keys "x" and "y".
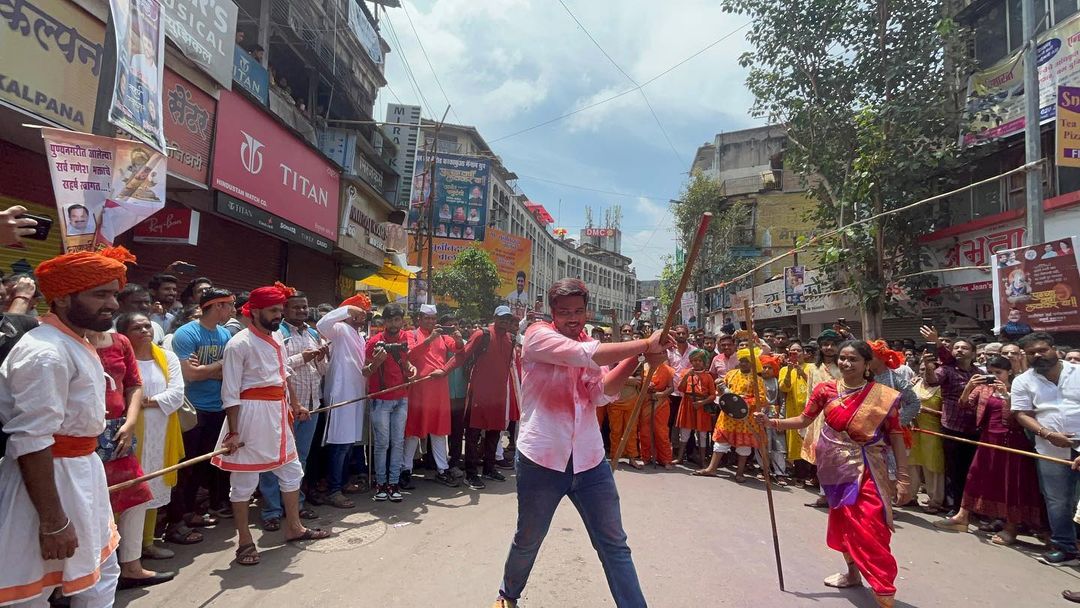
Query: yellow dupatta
{"x": 174, "y": 438}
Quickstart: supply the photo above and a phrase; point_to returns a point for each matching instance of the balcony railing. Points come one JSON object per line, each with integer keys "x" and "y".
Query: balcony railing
{"x": 285, "y": 107}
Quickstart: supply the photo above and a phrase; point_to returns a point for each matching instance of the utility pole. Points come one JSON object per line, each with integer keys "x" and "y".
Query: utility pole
{"x": 1032, "y": 128}
{"x": 428, "y": 274}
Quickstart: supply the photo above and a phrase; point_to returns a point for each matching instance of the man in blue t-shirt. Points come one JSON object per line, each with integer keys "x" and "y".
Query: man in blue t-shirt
{"x": 200, "y": 346}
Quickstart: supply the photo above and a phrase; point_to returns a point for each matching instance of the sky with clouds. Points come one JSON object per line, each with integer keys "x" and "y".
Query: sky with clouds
{"x": 506, "y": 65}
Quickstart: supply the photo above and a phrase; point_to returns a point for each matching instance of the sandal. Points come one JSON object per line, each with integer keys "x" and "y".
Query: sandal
{"x": 637, "y": 464}
{"x": 820, "y": 503}
{"x": 992, "y": 526}
{"x": 353, "y": 488}
{"x": 200, "y": 521}
{"x": 338, "y": 500}
{"x": 842, "y": 580}
{"x": 951, "y": 525}
{"x": 183, "y": 535}
{"x": 271, "y": 524}
{"x": 1003, "y": 539}
{"x": 933, "y": 510}
{"x": 703, "y": 473}
{"x": 247, "y": 555}
{"x": 311, "y": 534}
{"x": 308, "y": 514}
{"x": 740, "y": 478}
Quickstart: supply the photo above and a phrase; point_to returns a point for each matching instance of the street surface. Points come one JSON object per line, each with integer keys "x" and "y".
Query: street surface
{"x": 696, "y": 542}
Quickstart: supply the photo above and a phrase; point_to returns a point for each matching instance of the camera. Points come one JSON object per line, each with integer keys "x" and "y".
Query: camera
{"x": 393, "y": 348}
{"x": 447, "y": 329}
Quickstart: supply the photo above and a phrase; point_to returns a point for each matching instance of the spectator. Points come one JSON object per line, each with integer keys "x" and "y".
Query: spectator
{"x": 164, "y": 290}
{"x": 134, "y": 298}
{"x": 926, "y": 463}
{"x": 430, "y": 350}
{"x": 192, "y": 294}
{"x": 1015, "y": 355}
{"x": 238, "y": 322}
{"x": 388, "y": 366}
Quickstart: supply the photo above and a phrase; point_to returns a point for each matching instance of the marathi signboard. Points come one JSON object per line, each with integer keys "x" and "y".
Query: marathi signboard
{"x": 140, "y": 65}
{"x": 206, "y": 32}
{"x": 458, "y": 190}
{"x": 995, "y": 96}
{"x": 404, "y": 130}
{"x": 251, "y": 76}
{"x": 176, "y": 226}
{"x": 189, "y": 125}
{"x": 258, "y": 161}
{"x": 1036, "y": 288}
{"x": 1068, "y": 127}
{"x": 52, "y": 52}
{"x": 103, "y": 186}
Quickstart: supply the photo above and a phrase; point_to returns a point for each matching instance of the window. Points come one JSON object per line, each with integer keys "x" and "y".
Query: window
{"x": 991, "y": 36}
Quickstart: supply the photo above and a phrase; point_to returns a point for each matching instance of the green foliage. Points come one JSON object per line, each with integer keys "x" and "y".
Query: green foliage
{"x": 869, "y": 97}
{"x": 472, "y": 279}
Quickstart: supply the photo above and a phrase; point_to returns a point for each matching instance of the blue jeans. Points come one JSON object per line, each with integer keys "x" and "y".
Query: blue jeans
{"x": 335, "y": 461}
{"x": 304, "y": 433}
{"x": 1059, "y": 489}
{"x": 388, "y": 419}
{"x": 593, "y": 492}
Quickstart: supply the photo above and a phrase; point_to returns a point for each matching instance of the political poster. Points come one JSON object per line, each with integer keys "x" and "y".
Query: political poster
{"x": 140, "y": 70}
{"x": 512, "y": 255}
{"x": 794, "y": 284}
{"x": 102, "y": 186}
{"x": 1036, "y": 288}
{"x": 688, "y": 307}
{"x": 458, "y": 189}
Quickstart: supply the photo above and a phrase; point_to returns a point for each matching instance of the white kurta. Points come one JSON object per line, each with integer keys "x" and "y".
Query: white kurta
{"x": 344, "y": 380}
{"x": 169, "y": 398}
{"x": 256, "y": 360}
{"x": 52, "y": 383}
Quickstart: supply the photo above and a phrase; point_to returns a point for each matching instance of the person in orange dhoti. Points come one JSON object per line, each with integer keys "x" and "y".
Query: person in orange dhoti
{"x": 618, "y": 412}
{"x": 654, "y": 439}
{"x": 698, "y": 389}
{"x": 260, "y": 405}
{"x": 430, "y": 350}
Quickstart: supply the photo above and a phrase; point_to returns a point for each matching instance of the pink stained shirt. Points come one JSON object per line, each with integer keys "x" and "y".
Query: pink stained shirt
{"x": 561, "y": 387}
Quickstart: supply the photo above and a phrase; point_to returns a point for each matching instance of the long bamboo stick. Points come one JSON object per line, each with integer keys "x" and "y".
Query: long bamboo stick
{"x": 983, "y": 444}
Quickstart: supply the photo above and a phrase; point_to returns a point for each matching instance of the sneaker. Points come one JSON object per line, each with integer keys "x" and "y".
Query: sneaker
{"x": 475, "y": 482}
{"x": 405, "y": 480}
{"x": 445, "y": 478}
{"x": 382, "y": 493}
{"x": 1057, "y": 557}
{"x": 456, "y": 472}
{"x": 505, "y": 463}
{"x": 495, "y": 476}
{"x": 395, "y": 493}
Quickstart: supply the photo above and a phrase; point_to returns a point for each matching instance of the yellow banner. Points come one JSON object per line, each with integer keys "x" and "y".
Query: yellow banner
{"x": 52, "y": 52}
{"x": 512, "y": 255}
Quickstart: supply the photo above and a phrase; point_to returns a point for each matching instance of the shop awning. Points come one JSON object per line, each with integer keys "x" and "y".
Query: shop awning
{"x": 391, "y": 278}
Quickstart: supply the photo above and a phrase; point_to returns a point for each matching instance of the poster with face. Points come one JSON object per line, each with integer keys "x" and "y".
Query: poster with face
{"x": 1036, "y": 288}
{"x": 458, "y": 191}
{"x": 140, "y": 69}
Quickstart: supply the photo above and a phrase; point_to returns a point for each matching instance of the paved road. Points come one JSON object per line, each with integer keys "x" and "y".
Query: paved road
{"x": 696, "y": 542}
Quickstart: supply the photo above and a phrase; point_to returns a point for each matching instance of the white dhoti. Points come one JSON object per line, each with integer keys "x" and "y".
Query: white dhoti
{"x": 266, "y": 434}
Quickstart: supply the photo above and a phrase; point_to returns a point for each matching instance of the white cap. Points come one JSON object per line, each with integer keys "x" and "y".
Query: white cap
{"x": 503, "y": 311}
{"x": 428, "y": 309}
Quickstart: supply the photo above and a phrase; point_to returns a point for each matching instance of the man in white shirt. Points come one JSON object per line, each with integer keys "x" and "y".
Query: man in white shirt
{"x": 559, "y": 449}
{"x": 1046, "y": 399}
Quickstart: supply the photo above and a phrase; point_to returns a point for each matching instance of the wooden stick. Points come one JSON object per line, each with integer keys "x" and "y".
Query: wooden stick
{"x": 176, "y": 467}
{"x": 646, "y": 381}
{"x": 766, "y": 466}
{"x": 375, "y": 394}
{"x": 981, "y": 444}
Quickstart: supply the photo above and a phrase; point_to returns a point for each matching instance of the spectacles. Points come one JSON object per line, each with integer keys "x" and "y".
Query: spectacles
{"x": 627, "y": 331}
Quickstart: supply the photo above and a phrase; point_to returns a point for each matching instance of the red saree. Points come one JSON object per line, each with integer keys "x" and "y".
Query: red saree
{"x": 851, "y": 468}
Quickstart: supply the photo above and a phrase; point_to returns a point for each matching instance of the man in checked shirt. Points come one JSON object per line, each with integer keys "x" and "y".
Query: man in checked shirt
{"x": 307, "y": 354}
{"x": 559, "y": 448}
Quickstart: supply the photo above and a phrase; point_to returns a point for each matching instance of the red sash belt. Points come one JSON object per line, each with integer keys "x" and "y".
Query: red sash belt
{"x": 67, "y": 446}
{"x": 264, "y": 393}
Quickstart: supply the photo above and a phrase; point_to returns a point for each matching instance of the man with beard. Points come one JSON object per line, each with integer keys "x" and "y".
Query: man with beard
{"x": 134, "y": 298}
{"x": 559, "y": 448}
{"x": 164, "y": 289}
{"x": 344, "y": 381}
{"x": 824, "y": 369}
{"x": 725, "y": 359}
{"x": 58, "y": 526}
{"x": 260, "y": 402}
{"x": 678, "y": 358}
{"x": 1046, "y": 399}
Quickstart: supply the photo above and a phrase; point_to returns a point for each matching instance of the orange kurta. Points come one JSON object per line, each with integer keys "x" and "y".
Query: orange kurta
{"x": 695, "y": 386}
{"x": 429, "y": 401}
{"x": 653, "y": 438}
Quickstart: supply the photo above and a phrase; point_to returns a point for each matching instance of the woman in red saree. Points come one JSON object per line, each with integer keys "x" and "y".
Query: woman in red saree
{"x": 861, "y": 422}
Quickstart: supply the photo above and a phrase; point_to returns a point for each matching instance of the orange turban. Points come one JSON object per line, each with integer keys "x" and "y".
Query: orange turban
{"x": 891, "y": 358}
{"x": 771, "y": 362}
{"x": 74, "y": 272}
{"x": 359, "y": 300}
{"x": 265, "y": 297}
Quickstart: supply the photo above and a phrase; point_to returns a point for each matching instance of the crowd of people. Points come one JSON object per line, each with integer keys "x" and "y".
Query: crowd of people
{"x": 302, "y": 405}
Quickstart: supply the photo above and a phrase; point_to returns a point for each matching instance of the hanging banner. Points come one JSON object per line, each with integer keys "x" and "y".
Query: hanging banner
{"x": 512, "y": 255}
{"x": 1068, "y": 127}
{"x": 103, "y": 186}
{"x": 688, "y": 306}
{"x": 460, "y": 195}
{"x": 140, "y": 67}
{"x": 1036, "y": 288}
{"x": 794, "y": 284}
{"x": 206, "y": 32}
{"x": 995, "y": 96}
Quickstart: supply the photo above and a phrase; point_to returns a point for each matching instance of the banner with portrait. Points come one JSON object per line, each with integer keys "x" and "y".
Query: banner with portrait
{"x": 140, "y": 70}
{"x": 1036, "y": 288}
{"x": 458, "y": 188}
{"x": 689, "y": 309}
{"x": 794, "y": 284}
{"x": 102, "y": 186}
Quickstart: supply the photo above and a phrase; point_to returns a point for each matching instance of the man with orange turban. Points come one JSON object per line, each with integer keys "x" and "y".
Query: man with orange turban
{"x": 889, "y": 369}
{"x": 257, "y": 398}
{"x": 58, "y": 528}
{"x": 345, "y": 380}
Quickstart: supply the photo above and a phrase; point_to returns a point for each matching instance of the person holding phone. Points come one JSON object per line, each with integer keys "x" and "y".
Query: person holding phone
{"x": 14, "y": 226}
{"x": 1000, "y": 485}
{"x": 794, "y": 389}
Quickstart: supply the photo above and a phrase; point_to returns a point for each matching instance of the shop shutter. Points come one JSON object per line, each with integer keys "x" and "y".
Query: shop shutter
{"x": 313, "y": 273}
{"x": 24, "y": 180}
{"x": 906, "y": 328}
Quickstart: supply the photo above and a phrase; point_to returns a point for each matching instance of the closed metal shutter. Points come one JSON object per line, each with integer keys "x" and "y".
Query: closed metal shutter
{"x": 313, "y": 273}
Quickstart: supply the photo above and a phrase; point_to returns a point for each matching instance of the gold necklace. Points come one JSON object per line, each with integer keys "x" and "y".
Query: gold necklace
{"x": 842, "y": 387}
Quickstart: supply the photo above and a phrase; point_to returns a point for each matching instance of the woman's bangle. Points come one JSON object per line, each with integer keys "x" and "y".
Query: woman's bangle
{"x": 13, "y": 298}
{"x": 55, "y": 532}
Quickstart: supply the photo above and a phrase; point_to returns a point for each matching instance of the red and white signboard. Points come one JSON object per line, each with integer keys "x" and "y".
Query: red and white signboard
{"x": 258, "y": 161}
{"x": 600, "y": 232}
{"x": 189, "y": 128}
{"x": 178, "y": 226}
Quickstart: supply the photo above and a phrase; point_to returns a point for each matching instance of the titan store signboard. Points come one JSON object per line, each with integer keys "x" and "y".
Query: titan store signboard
{"x": 251, "y": 76}
{"x": 267, "y": 222}
{"x": 258, "y": 161}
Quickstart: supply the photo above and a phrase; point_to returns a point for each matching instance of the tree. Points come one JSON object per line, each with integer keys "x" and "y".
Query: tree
{"x": 472, "y": 279}
{"x": 872, "y": 115}
{"x": 717, "y": 261}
